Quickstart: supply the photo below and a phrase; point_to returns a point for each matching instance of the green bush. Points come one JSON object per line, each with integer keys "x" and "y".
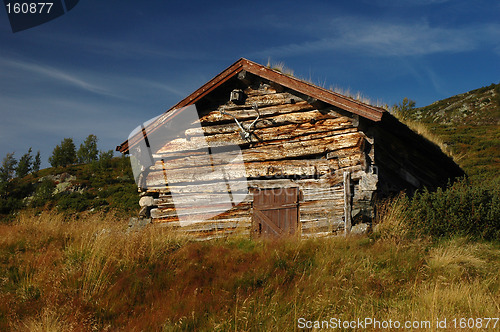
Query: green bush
{"x": 78, "y": 202}
{"x": 461, "y": 209}
{"x": 9, "y": 204}
{"x": 43, "y": 193}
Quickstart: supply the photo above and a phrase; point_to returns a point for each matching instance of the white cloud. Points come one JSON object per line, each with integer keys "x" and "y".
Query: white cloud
{"x": 354, "y": 35}
{"x": 140, "y": 82}
{"x": 54, "y": 74}
{"x": 109, "y": 85}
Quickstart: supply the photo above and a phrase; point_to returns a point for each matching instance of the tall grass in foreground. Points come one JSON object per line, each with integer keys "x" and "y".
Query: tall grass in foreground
{"x": 89, "y": 274}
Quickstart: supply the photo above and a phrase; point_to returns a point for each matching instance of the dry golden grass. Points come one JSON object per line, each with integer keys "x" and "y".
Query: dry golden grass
{"x": 280, "y": 66}
{"x": 90, "y": 274}
{"x": 358, "y": 96}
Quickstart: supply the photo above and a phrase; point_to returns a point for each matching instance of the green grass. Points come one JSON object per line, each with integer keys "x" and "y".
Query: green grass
{"x": 469, "y": 126}
{"x": 479, "y": 147}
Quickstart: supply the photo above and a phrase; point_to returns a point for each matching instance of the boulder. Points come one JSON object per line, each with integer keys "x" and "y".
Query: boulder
{"x": 360, "y": 229}
{"x": 136, "y": 224}
{"x": 146, "y": 201}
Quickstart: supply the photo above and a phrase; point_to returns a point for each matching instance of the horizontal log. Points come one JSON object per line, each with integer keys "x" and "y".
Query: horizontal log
{"x": 208, "y": 230}
{"x": 243, "y": 221}
{"x": 182, "y": 148}
{"x": 298, "y": 123}
{"x": 168, "y": 200}
{"x": 201, "y": 211}
{"x": 264, "y": 103}
{"x": 323, "y": 197}
{"x": 228, "y": 223}
{"x": 311, "y": 219}
{"x": 283, "y": 127}
{"x": 322, "y": 183}
{"x": 323, "y": 205}
{"x": 248, "y": 114}
{"x": 310, "y": 198}
{"x": 231, "y": 172}
{"x": 281, "y": 150}
{"x": 322, "y": 223}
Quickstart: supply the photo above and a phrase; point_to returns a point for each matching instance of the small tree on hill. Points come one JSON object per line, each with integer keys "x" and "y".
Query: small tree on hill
{"x": 37, "y": 162}
{"x": 25, "y": 164}
{"x": 105, "y": 158}
{"x": 403, "y": 109}
{"x": 104, "y": 161}
{"x": 88, "y": 152}
{"x": 7, "y": 172}
{"x": 8, "y": 167}
{"x": 64, "y": 154}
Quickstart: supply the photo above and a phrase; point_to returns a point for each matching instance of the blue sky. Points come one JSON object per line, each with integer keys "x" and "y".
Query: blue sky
{"x": 107, "y": 66}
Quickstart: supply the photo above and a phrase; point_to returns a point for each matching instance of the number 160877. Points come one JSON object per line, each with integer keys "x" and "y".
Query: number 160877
{"x": 29, "y": 7}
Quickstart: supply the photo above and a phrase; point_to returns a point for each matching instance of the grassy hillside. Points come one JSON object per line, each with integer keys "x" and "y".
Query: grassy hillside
{"x": 106, "y": 185}
{"x": 469, "y": 124}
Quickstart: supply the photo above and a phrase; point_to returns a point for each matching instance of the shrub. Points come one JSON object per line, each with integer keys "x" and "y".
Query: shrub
{"x": 461, "y": 209}
{"x": 79, "y": 202}
{"x": 9, "y": 204}
{"x": 43, "y": 193}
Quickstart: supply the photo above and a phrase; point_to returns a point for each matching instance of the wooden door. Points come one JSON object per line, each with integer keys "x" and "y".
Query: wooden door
{"x": 275, "y": 212}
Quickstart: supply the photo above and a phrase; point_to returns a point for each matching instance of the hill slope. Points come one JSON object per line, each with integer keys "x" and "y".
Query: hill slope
{"x": 469, "y": 124}
{"x": 104, "y": 185}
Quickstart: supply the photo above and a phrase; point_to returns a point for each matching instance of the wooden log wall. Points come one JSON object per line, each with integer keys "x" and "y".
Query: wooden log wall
{"x": 293, "y": 144}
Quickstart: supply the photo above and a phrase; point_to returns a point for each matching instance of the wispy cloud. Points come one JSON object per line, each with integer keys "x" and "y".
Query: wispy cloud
{"x": 55, "y": 74}
{"x": 124, "y": 47}
{"x": 390, "y": 39}
{"x": 156, "y": 85}
{"x": 109, "y": 85}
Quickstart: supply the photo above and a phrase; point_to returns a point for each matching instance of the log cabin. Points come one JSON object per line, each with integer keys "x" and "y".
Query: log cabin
{"x": 260, "y": 152}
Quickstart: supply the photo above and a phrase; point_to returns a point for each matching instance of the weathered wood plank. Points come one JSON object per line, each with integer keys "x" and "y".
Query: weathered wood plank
{"x": 311, "y": 184}
{"x": 283, "y": 127}
{"x": 322, "y": 225}
{"x": 313, "y": 121}
{"x": 347, "y": 202}
{"x": 247, "y": 113}
{"x": 299, "y": 147}
{"x": 239, "y": 172}
{"x": 314, "y": 167}
{"x": 265, "y": 103}
{"x": 202, "y": 209}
